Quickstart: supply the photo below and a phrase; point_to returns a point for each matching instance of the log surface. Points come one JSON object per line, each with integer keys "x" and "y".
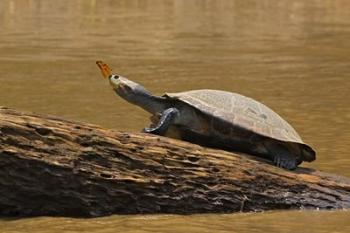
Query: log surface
{"x": 52, "y": 166}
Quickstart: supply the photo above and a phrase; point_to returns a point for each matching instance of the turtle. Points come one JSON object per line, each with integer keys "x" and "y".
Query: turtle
{"x": 219, "y": 119}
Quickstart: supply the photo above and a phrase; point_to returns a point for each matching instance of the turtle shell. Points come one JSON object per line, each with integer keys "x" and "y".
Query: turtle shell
{"x": 241, "y": 111}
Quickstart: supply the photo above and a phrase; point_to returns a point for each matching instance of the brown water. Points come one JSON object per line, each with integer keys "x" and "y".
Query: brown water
{"x": 293, "y": 56}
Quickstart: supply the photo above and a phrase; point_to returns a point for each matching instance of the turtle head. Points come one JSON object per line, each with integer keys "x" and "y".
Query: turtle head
{"x": 128, "y": 90}
{"x": 131, "y": 91}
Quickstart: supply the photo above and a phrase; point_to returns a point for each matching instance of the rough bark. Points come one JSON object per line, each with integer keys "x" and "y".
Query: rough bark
{"x": 52, "y": 166}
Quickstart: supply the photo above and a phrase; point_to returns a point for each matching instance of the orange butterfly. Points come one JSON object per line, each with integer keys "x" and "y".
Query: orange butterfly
{"x": 105, "y": 70}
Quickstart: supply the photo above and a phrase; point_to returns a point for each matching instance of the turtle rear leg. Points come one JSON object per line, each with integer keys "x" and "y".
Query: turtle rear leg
{"x": 282, "y": 157}
{"x": 167, "y": 118}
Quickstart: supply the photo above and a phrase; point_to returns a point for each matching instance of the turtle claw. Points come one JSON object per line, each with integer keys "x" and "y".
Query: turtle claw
{"x": 146, "y": 130}
{"x": 150, "y": 130}
{"x": 277, "y": 161}
{"x": 285, "y": 161}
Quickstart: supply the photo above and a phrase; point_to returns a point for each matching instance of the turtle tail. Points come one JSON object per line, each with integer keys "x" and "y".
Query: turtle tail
{"x": 308, "y": 154}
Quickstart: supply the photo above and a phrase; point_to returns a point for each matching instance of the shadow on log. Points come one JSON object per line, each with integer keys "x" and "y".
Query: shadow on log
{"x": 51, "y": 166}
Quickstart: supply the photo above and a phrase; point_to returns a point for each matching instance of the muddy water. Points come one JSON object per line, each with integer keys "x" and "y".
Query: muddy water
{"x": 293, "y": 56}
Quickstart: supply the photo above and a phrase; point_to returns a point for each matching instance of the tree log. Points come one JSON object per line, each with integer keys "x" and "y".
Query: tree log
{"x": 56, "y": 167}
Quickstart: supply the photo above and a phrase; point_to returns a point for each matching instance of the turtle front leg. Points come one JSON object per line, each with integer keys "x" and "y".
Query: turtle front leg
{"x": 167, "y": 118}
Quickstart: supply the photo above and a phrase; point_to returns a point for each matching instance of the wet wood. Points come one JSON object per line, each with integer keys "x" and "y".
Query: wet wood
{"x": 52, "y": 166}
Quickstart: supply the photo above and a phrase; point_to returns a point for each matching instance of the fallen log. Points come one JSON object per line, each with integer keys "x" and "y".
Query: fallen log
{"x": 52, "y": 166}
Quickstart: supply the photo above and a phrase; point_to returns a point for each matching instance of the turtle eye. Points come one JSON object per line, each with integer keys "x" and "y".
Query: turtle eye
{"x": 113, "y": 76}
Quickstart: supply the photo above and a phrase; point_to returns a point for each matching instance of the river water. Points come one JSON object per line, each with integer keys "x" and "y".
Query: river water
{"x": 294, "y": 56}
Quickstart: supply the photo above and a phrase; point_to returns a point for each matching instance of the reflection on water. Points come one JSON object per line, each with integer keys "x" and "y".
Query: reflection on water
{"x": 287, "y": 222}
{"x": 291, "y": 55}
